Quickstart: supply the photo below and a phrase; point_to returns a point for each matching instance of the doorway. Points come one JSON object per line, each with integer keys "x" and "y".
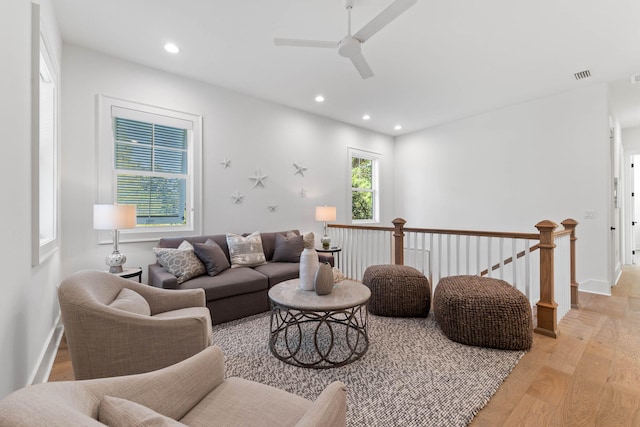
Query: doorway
{"x": 635, "y": 208}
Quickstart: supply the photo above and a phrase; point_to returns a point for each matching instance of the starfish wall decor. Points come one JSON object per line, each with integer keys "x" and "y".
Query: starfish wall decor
{"x": 258, "y": 179}
{"x": 300, "y": 170}
{"x": 237, "y": 198}
{"x": 226, "y": 163}
{"x": 272, "y": 207}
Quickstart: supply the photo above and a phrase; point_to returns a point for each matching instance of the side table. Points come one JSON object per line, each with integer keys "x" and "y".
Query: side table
{"x": 319, "y": 331}
{"x": 129, "y": 273}
{"x": 332, "y": 250}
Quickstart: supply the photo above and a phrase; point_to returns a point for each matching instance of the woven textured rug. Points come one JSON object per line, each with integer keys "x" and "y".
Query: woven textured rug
{"x": 412, "y": 375}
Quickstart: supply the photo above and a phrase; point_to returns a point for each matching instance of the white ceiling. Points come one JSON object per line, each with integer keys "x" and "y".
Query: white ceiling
{"x": 438, "y": 62}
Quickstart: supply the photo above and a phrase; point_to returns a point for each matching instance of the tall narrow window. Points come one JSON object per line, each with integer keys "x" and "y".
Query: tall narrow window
{"x": 364, "y": 186}
{"x": 44, "y": 158}
{"x": 47, "y": 155}
{"x": 149, "y": 157}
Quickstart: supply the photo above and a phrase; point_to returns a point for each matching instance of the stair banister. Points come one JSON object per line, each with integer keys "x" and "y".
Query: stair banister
{"x": 547, "y": 308}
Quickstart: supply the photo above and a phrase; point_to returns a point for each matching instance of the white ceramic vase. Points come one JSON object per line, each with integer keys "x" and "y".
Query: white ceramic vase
{"x": 308, "y": 267}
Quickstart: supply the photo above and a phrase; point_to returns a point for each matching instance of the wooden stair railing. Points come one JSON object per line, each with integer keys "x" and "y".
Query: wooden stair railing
{"x": 546, "y": 306}
{"x": 509, "y": 260}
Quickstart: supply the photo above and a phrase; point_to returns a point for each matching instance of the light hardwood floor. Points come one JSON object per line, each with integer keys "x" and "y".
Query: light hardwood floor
{"x": 588, "y": 376}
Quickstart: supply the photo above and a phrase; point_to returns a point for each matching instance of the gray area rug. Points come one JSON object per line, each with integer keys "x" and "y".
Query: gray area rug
{"x": 412, "y": 375}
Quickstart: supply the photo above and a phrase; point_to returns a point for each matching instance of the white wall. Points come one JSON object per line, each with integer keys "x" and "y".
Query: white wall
{"x": 631, "y": 139}
{"x": 508, "y": 169}
{"x": 253, "y": 134}
{"x": 28, "y": 307}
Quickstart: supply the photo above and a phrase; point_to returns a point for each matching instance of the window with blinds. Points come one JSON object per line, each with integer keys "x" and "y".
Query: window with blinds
{"x": 150, "y": 156}
{"x": 152, "y": 171}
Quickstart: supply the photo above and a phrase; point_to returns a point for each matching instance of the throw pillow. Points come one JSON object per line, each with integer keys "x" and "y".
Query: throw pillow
{"x": 116, "y": 412}
{"x": 288, "y": 248}
{"x": 212, "y": 256}
{"x": 181, "y": 262}
{"x": 131, "y": 301}
{"x": 245, "y": 251}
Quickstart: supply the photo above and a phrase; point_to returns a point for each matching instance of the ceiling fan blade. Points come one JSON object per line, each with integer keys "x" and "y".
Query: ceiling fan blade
{"x": 362, "y": 66}
{"x": 304, "y": 43}
{"x": 394, "y": 10}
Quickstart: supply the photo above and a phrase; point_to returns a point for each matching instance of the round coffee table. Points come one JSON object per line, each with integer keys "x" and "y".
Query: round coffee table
{"x": 319, "y": 331}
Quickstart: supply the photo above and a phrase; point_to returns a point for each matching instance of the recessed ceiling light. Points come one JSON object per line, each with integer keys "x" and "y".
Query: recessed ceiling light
{"x": 319, "y": 98}
{"x": 397, "y": 127}
{"x": 171, "y": 48}
{"x": 366, "y": 117}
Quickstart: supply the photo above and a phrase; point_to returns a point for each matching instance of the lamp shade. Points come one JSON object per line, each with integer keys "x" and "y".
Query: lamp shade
{"x": 325, "y": 213}
{"x": 114, "y": 217}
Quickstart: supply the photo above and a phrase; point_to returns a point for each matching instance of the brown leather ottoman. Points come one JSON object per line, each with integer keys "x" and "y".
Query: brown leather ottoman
{"x": 397, "y": 291}
{"x": 484, "y": 312}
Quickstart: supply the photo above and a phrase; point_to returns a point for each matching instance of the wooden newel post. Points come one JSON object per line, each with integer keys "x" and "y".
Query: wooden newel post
{"x": 547, "y": 308}
{"x": 398, "y": 241}
{"x": 570, "y": 224}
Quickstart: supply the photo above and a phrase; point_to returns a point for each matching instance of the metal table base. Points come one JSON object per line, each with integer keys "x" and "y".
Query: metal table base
{"x": 318, "y": 339}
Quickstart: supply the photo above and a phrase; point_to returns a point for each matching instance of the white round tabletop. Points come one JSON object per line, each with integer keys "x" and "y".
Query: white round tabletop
{"x": 345, "y": 294}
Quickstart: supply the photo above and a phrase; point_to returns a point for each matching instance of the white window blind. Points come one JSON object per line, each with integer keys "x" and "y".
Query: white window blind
{"x": 151, "y": 163}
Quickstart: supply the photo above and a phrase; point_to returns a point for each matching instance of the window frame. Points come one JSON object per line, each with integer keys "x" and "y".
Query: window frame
{"x": 44, "y": 152}
{"x": 108, "y": 108}
{"x": 375, "y": 183}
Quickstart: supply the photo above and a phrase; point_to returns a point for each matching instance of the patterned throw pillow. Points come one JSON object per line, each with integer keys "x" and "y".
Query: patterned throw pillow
{"x": 181, "y": 262}
{"x": 246, "y": 251}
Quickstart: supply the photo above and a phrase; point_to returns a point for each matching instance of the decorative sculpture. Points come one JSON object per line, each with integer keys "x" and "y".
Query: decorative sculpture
{"x": 323, "y": 282}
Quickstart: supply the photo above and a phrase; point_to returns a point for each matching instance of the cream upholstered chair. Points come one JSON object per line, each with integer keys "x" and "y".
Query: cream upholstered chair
{"x": 115, "y": 326}
{"x": 193, "y": 392}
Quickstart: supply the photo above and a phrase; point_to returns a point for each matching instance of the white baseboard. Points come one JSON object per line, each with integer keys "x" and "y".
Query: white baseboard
{"x": 48, "y": 354}
{"x": 599, "y": 287}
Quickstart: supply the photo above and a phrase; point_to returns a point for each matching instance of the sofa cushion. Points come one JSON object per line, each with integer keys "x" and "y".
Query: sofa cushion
{"x": 131, "y": 301}
{"x": 231, "y": 282}
{"x": 279, "y": 271}
{"x": 116, "y": 412}
{"x": 212, "y": 256}
{"x": 245, "y": 251}
{"x": 288, "y": 248}
{"x": 181, "y": 262}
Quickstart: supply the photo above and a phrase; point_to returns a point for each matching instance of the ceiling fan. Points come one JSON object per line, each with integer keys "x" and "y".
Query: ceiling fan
{"x": 350, "y": 45}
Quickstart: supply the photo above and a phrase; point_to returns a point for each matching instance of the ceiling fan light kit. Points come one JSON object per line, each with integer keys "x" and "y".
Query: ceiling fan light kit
{"x": 350, "y": 45}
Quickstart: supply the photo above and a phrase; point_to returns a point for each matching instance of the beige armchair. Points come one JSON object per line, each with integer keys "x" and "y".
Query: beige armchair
{"x": 115, "y": 326}
{"x": 193, "y": 392}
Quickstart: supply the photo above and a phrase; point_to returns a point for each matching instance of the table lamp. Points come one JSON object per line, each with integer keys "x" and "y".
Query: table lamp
{"x": 325, "y": 214}
{"x": 115, "y": 218}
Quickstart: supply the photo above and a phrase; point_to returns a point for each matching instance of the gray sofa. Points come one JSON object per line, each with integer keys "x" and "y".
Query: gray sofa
{"x": 235, "y": 292}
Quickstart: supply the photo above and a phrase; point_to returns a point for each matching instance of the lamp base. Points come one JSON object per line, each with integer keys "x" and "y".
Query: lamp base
{"x": 326, "y": 242}
{"x": 115, "y": 261}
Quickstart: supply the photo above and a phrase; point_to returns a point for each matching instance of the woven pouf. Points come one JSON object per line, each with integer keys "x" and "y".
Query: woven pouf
{"x": 397, "y": 291}
{"x": 484, "y": 312}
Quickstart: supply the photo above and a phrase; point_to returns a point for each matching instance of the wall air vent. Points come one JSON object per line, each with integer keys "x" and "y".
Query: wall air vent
{"x": 582, "y": 75}
{"x": 635, "y": 78}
